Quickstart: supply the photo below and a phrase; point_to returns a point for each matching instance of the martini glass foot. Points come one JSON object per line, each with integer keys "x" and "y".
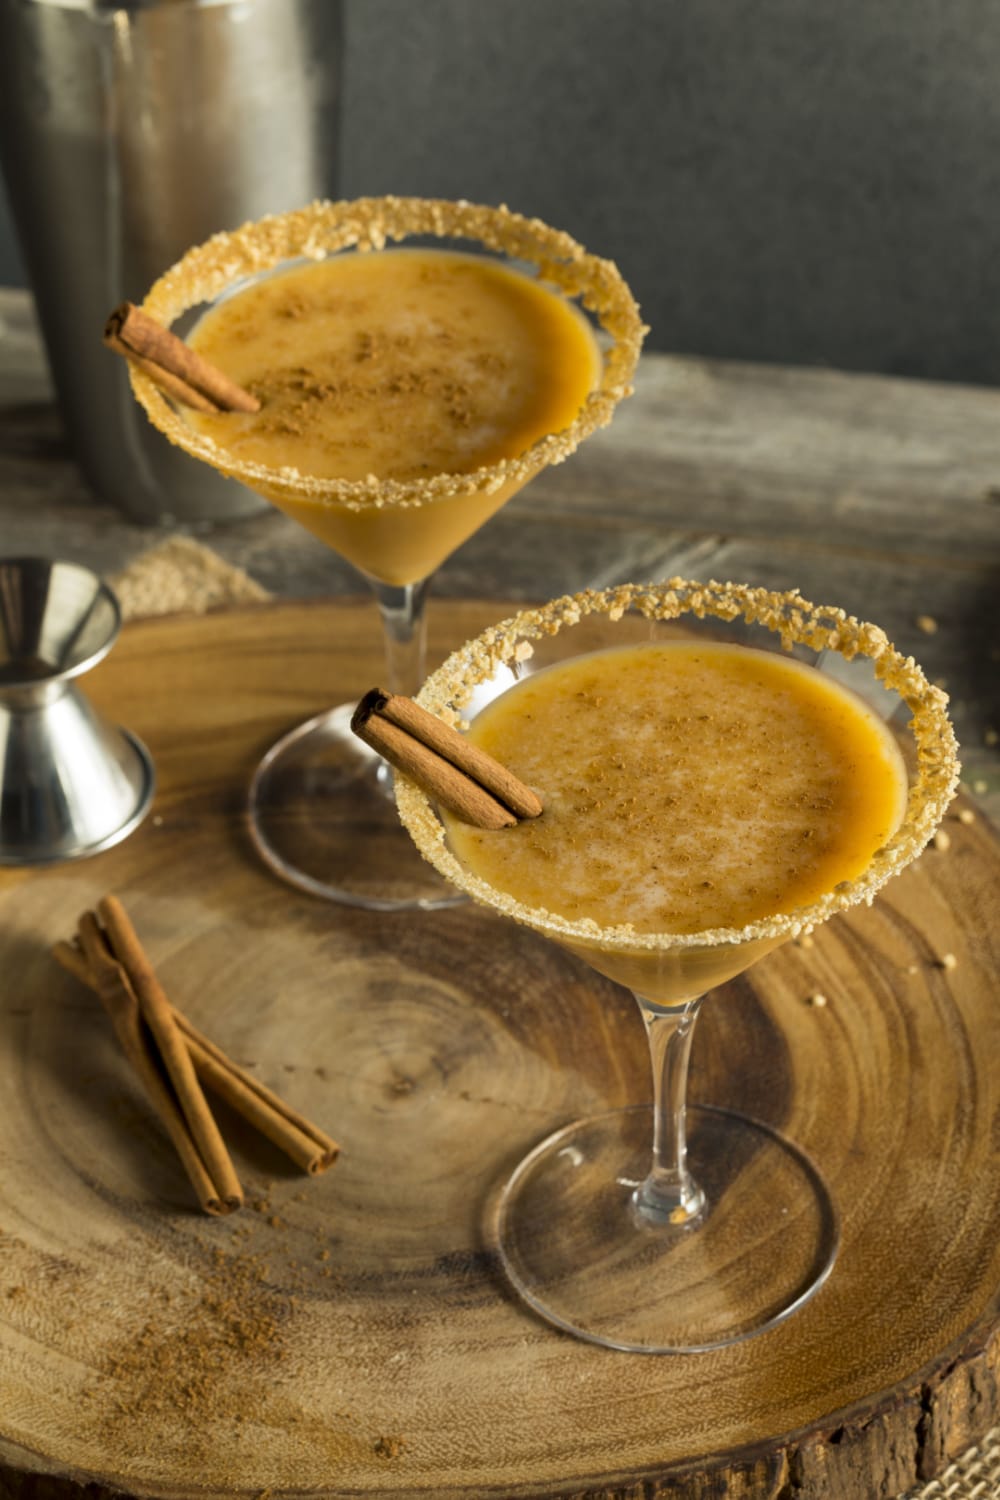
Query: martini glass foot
{"x": 322, "y": 816}
{"x": 756, "y": 1241}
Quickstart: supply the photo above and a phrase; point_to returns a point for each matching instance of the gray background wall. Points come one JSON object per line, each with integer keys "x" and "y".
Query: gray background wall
{"x": 784, "y": 180}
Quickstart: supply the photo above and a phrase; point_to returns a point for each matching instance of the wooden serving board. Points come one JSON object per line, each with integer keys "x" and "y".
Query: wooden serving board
{"x": 349, "y": 1335}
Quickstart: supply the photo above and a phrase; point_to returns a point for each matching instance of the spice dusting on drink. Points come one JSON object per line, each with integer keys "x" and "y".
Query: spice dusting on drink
{"x": 400, "y": 365}
{"x": 687, "y": 787}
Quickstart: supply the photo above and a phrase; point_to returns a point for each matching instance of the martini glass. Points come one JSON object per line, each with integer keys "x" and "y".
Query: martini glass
{"x": 321, "y": 812}
{"x": 679, "y": 1228}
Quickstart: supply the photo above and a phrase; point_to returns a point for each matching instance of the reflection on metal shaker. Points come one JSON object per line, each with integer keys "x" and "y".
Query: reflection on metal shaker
{"x": 129, "y": 132}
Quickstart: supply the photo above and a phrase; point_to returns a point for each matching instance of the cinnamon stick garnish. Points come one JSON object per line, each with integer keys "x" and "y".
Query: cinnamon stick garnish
{"x": 463, "y": 778}
{"x": 304, "y": 1142}
{"x": 172, "y": 363}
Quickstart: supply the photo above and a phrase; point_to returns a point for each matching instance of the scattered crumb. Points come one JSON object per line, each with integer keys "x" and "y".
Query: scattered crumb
{"x": 980, "y": 787}
{"x": 927, "y": 624}
{"x": 966, "y": 816}
{"x": 913, "y": 968}
{"x": 806, "y": 941}
{"x": 991, "y": 737}
{"x": 181, "y": 573}
{"x": 948, "y": 961}
{"x": 389, "y": 1447}
{"x": 942, "y": 841}
{"x": 816, "y": 999}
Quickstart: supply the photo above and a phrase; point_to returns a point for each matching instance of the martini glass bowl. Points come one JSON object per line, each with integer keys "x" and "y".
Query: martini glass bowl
{"x": 320, "y": 809}
{"x": 679, "y": 1227}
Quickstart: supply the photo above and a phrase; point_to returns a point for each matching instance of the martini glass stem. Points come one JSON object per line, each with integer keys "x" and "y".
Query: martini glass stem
{"x": 402, "y": 608}
{"x": 669, "y": 1195}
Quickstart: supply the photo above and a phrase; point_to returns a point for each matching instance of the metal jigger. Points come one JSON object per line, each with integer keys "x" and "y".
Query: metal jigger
{"x": 70, "y": 783}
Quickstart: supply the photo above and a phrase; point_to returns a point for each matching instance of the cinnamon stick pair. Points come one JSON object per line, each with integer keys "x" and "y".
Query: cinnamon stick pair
{"x": 464, "y": 779}
{"x": 172, "y": 1059}
{"x": 172, "y": 363}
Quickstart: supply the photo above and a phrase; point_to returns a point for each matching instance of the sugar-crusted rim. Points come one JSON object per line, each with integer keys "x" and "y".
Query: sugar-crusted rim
{"x": 796, "y": 622}
{"x": 364, "y": 224}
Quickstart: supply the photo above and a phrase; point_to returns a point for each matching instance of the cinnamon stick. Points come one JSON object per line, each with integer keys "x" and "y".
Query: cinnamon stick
{"x": 172, "y": 363}
{"x": 463, "y": 778}
{"x": 120, "y": 1002}
{"x": 164, "y": 378}
{"x": 158, "y": 1015}
{"x": 305, "y": 1143}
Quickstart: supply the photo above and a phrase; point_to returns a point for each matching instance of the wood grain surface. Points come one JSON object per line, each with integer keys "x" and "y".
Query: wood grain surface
{"x": 351, "y": 1335}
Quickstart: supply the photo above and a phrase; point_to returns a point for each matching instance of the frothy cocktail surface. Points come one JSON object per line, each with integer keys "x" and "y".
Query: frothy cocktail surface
{"x": 400, "y": 363}
{"x": 687, "y": 786}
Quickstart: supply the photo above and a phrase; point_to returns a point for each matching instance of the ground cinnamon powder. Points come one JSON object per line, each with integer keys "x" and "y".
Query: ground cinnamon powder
{"x": 215, "y": 1361}
{"x": 185, "y": 1356}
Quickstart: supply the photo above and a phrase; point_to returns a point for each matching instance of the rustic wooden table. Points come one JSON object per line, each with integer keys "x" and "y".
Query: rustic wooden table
{"x": 880, "y": 495}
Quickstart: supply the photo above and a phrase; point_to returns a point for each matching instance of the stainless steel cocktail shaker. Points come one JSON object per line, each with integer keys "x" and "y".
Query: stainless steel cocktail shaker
{"x": 128, "y": 132}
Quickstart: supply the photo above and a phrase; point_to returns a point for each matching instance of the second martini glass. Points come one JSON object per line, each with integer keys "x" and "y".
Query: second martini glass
{"x": 681, "y": 1228}
{"x": 321, "y": 810}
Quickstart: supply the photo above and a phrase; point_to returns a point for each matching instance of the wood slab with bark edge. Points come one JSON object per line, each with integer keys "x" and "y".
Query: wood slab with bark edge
{"x": 349, "y": 1335}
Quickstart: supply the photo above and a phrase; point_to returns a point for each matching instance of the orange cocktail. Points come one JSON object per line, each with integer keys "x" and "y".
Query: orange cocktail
{"x": 403, "y": 365}
{"x": 711, "y": 787}
{"x": 688, "y": 787}
{"x": 407, "y": 391}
